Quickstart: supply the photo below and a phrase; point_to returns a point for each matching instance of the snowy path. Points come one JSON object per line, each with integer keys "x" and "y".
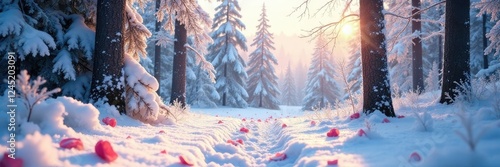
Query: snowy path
{"x": 199, "y": 138}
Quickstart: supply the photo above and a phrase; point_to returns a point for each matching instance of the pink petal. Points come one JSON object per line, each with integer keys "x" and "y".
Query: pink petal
{"x": 333, "y": 162}
{"x": 71, "y": 143}
{"x": 361, "y": 132}
{"x": 313, "y": 123}
{"x": 355, "y": 116}
{"x": 278, "y": 157}
{"x": 386, "y": 120}
{"x": 185, "y": 161}
{"x": 415, "y": 157}
{"x": 105, "y": 151}
{"x": 9, "y": 162}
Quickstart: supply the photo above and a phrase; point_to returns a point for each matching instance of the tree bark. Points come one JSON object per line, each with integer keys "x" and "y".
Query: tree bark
{"x": 158, "y": 50}
{"x": 416, "y": 26}
{"x": 456, "y": 48}
{"x": 376, "y": 85}
{"x": 179, "y": 66}
{"x": 107, "y": 81}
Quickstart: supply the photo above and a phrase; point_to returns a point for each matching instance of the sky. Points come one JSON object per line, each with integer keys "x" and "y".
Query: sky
{"x": 286, "y": 27}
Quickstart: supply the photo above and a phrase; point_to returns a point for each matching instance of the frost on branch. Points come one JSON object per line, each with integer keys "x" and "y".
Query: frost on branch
{"x": 29, "y": 92}
{"x": 142, "y": 102}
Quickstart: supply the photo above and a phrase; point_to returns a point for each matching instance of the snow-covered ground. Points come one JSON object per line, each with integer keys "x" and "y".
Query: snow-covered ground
{"x": 199, "y": 137}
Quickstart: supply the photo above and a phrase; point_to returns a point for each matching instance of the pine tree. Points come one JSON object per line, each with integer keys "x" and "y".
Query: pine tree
{"x": 321, "y": 89}
{"x": 456, "y": 49}
{"x": 399, "y": 44}
{"x": 184, "y": 18}
{"x": 229, "y": 65}
{"x": 376, "y": 82}
{"x": 201, "y": 90}
{"x": 491, "y": 8}
{"x": 354, "y": 78}
{"x": 52, "y": 39}
{"x": 289, "y": 91}
{"x": 262, "y": 88}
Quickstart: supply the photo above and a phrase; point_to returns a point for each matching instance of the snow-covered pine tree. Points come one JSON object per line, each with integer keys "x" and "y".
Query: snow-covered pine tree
{"x": 354, "y": 78}
{"x": 476, "y": 41}
{"x": 200, "y": 91}
{"x": 223, "y": 53}
{"x": 165, "y": 40}
{"x": 399, "y": 46}
{"x": 187, "y": 18}
{"x": 322, "y": 89}
{"x": 289, "y": 92}
{"x": 52, "y": 39}
{"x": 262, "y": 80}
{"x": 492, "y": 9}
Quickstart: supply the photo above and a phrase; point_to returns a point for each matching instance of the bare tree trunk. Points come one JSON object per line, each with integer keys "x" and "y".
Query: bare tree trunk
{"x": 158, "y": 63}
{"x": 179, "y": 66}
{"x": 109, "y": 54}
{"x": 416, "y": 26}
{"x": 456, "y": 48}
{"x": 376, "y": 85}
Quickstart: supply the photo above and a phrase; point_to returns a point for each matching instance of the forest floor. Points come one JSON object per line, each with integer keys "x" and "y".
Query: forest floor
{"x": 198, "y": 137}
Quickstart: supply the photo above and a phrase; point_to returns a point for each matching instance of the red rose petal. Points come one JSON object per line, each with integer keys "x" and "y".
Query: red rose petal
{"x": 415, "y": 157}
{"x": 9, "y": 162}
{"x": 244, "y": 130}
{"x": 355, "y": 116}
{"x": 333, "y": 162}
{"x": 386, "y": 120}
{"x": 278, "y": 157}
{"x": 401, "y": 116}
{"x": 220, "y": 121}
{"x": 258, "y": 120}
{"x": 232, "y": 142}
{"x": 334, "y": 132}
{"x": 128, "y": 137}
{"x": 105, "y": 151}
{"x": 243, "y": 119}
{"x": 240, "y": 141}
{"x": 105, "y": 120}
{"x": 161, "y": 131}
{"x": 361, "y": 132}
{"x": 71, "y": 143}
{"x": 112, "y": 122}
{"x": 163, "y": 151}
{"x": 185, "y": 161}
{"x": 313, "y": 123}
{"x": 283, "y": 126}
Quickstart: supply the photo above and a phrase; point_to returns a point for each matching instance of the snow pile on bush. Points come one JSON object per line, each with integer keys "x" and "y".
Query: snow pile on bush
{"x": 52, "y": 116}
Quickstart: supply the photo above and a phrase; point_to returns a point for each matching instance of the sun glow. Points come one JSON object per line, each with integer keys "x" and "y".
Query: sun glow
{"x": 347, "y": 30}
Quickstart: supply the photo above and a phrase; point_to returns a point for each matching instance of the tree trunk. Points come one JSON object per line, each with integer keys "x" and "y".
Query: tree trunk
{"x": 109, "y": 54}
{"x": 179, "y": 66}
{"x": 485, "y": 43}
{"x": 456, "y": 48}
{"x": 440, "y": 51}
{"x": 416, "y": 26}
{"x": 376, "y": 88}
{"x": 158, "y": 50}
